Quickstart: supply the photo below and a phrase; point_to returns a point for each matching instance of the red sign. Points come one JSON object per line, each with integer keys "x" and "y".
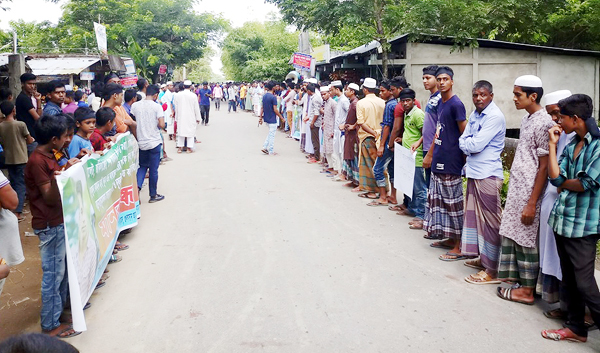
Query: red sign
{"x": 162, "y": 69}
{"x": 302, "y": 61}
{"x": 129, "y": 81}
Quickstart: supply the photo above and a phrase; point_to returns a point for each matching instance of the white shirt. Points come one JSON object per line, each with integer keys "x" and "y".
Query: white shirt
{"x": 147, "y": 113}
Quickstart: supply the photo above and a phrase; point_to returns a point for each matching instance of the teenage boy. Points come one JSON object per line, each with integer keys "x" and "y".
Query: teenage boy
{"x": 574, "y": 218}
{"x": 341, "y": 112}
{"x": 47, "y": 221}
{"x": 412, "y": 139}
{"x": 27, "y": 111}
{"x": 385, "y": 156}
{"x": 104, "y": 124}
{"x": 369, "y": 116}
{"x": 269, "y": 114}
{"x": 85, "y": 121}
{"x": 328, "y": 111}
{"x": 288, "y": 101}
{"x": 150, "y": 120}
{"x": 483, "y": 142}
{"x": 130, "y": 97}
{"x": 204, "y": 97}
{"x": 351, "y": 142}
{"x": 56, "y": 97}
{"x": 446, "y": 160}
{"x": 113, "y": 98}
{"x": 14, "y": 138}
{"x": 519, "y": 255}
{"x": 80, "y": 98}
{"x": 315, "y": 120}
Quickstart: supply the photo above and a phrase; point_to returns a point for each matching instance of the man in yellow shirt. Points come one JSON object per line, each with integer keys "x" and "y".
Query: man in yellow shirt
{"x": 369, "y": 115}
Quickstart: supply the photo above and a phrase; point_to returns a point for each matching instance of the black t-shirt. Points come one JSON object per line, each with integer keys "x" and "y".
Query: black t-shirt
{"x": 24, "y": 105}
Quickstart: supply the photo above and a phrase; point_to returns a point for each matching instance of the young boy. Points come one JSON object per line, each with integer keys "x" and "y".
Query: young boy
{"x": 575, "y": 216}
{"x": 14, "y": 138}
{"x": 519, "y": 255}
{"x": 71, "y": 103}
{"x": 269, "y": 114}
{"x": 104, "y": 123}
{"x": 47, "y": 221}
{"x": 85, "y": 120}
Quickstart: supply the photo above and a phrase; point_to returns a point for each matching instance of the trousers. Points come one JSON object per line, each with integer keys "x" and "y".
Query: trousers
{"x": 149, "y": 161}
{"x": 204, "y": 111}
{"x": 314, "y": 137}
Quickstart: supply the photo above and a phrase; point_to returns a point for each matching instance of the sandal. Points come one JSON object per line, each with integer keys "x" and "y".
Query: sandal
{"x": 476, "y": 264}
{"x": 366, "y": 196}
{"x": 416, "y": 225}
{"x": 481, "y": 277}
{"x": 179, "y": 150}
{"x": 62, "y": 331}
{"x": 556, "y": 314}
{"x": 405, "y": 213}
{"x": 376, "y": 203}
{"x": 397, "y": 208}
{"x": 505, "y": 293}
{"x": 120, "y": 246}
{"x": 450, "y": 256}
{"x": 115, "y": 258}
{"x": 441, "y": 245}
{"x": 563, "y": 335}
{"x": 264, "y": 150}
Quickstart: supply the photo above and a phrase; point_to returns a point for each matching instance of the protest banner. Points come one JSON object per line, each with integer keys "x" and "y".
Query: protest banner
{"x": 100, "y": 199}
{"x": 100, "y": 31}
{"x": 404, "y": 169}
{"x": 301, "y": 61}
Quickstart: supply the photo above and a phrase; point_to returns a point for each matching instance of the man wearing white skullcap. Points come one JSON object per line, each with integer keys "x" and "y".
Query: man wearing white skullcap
{"x": 187, "y": 116}
{"x": 328, "y": 111}
{"x": 528, "y": 178}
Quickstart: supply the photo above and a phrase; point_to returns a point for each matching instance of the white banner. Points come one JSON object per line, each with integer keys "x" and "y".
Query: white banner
{"x": 101, "y": 38}
{"x": 404, "y": 169}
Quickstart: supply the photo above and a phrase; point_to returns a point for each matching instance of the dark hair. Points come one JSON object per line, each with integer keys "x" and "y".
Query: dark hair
{"x": 138, "y": 97}
{"x": 399, "y": 82}
{"x": 110, "y": 89}
{"x": 141, "y": 83}
{"x": 577, "y": 104}
{"x": 70, "y": 94}
{"x": 28, "y": 76}
{"x": 483, "y": 84}
{"x": 98, "y": 89}
{"x": 152, "y": 90}
{"x": 49, "y": 126}
{"x": 283, "y": 85}
{"x": 34, "y": 343}
{"x": 311, "y": 87}
{"x": 78, "y": 95}
{"x": 71, "y": 125}
{"x": 5, "y": 93}
{"x": 110, "y": 76}
{"x": 531, "y": 90}
{"x": 270, "y": 85}
{"x": 385, "y": 84}
{"x": 83, "y": 113}
{"x": 430, "y": 70}
{"x": 104, "y": 115}
{"x": 53, "y": 85}
{"x": 130, "y": 94}
{"x": 370, "y": 90}
{"x": 407, "y": 93}
{"x": 7, "y": 107}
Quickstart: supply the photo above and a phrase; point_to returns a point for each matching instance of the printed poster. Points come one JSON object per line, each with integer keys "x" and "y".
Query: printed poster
{"x": 404, "y": 169}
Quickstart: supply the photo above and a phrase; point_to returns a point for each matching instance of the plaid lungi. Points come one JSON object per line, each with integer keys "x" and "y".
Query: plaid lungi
{"x": 368, "y": 155}
{"x": 302, "y": 141}
{"x": 350, "y": 169}
{"x": 481, "y": 229}
{"x": 518, "y": 263}
{"x": 548, "y": 287}
{"x": 446, "y": 206}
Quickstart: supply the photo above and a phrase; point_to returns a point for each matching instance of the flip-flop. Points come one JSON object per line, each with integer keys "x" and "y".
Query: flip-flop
{"x": 396, "y": 208}
{"x": 456, "y": 257}
{"x": 433, "y": 237}
{"x": 264, "y": 151}
{"x": 375, "y": 203}
{"x": 365, "y": 196}
{"x": 560, "y": 335}
{"x": 506, "y": 295}
{"x": 479, "y": 279}
{"x": 473, "y": 264}
{"x": 416, "y": 225}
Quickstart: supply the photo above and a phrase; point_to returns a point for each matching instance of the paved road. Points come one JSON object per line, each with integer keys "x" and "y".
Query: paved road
{"x": 256, "y": 253}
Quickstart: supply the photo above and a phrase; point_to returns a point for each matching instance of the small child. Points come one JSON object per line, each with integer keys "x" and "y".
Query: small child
{"x": 47, "y": 221}
{"x": 85, "y": 120}
{"x": 71, "y": 103}
{"x": 14, "y": 138}
{"x": 105, "y": 118}
{"x": 80, "y": 98}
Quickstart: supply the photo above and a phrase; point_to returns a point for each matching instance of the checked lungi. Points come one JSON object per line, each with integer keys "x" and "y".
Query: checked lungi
{"x": 350, "y": 169}
{"x": 481, "y": 229}
{"x": 446, "y": 206}
{"x": 518, "y": 263}
{"x": 368, "y": 155}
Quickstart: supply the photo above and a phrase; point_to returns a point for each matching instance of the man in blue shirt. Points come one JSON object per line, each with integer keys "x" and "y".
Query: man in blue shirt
{"x": 204, "y": 96}
{"x": 56, "y": 97}
{"x": 269, "y": 114}
{"x": 482, "y": 142}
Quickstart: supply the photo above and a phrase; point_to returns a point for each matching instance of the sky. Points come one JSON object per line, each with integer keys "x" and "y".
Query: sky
{"x": 236, "y": 11}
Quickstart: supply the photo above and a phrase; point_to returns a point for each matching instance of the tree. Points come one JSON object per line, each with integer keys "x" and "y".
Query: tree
{"x": 258, "y": 51}
{"x": 576, "y": 25}
{"x": 198, "y": 70}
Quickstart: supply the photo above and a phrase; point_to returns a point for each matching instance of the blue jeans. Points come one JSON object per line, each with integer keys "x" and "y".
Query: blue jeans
{"x": 149, "y": 160}
{"x": 381, "y": 164}
{"x": 232, "y": 104}
{"x": 270, "y": 140}
{"x": 416, "y": 205}
{"x": 55, "y": 284}
{"x": 16, "y": 175}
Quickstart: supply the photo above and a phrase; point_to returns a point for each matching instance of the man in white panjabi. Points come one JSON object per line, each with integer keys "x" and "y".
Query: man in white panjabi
{"x": 187, "y": 116}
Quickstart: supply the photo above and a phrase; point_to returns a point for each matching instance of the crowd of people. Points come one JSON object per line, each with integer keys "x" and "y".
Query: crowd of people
{"x": 541, "y": 242}
{"x": 43, "y": 134}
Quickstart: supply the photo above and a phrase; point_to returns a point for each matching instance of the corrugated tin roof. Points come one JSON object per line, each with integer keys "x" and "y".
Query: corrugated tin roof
{"x": 60, "y": 66}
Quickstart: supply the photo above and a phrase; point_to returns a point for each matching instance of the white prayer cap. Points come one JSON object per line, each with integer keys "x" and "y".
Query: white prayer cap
{"x": 336, "y": 84}
{"x": 554, "y": 97}
{"x": 312, "y": 80}
{"x": 163, "y": 86}
{"x": 324, "y": 89}
{"x": 354, "y": 86}
{"x": 187, "y": 83}
{"x": 68, "y": 88}
{"x": 370, "y": 83}
{"x": 528, "y": 81}
{"x": 169, "y": 83}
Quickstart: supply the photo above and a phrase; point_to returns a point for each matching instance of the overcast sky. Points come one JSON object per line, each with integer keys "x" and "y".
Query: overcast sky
{"x": 236, "y": 11}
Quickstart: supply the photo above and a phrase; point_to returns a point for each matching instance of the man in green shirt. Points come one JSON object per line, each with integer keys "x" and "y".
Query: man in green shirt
{"x": 412, "y": 138}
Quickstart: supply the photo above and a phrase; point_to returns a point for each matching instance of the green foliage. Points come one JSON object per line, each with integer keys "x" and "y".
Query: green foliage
{"x": 258, "y": 51}
{"x": 199, "y": 70}
{"x": 576, "y": 25}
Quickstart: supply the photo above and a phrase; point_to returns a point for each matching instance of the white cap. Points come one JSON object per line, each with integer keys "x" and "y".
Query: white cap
{"x": 312, "y": 80}
{"x": 187, "y": 83}
{"x": 554, "y": 97}
{"x": 528, "y": 81}
{"x": 169, "y": 83}
{"x": 68, "y": 88}
{"x": 354, "y": 86}
{"x": 324, "y": 89}
{"x": 163, "y": 86}
{"x": 370, "y": 83}
{"x": 336, "y": 83}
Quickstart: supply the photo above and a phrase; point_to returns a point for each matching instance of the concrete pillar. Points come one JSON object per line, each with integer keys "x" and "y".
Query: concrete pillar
{"x": 16, "y": 67}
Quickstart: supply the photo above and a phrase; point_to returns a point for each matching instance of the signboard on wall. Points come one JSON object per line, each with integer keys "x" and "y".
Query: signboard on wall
{"x": 87, "y": 76}
{"x": 129, "y": 81}
{"x": 301, "y": 61}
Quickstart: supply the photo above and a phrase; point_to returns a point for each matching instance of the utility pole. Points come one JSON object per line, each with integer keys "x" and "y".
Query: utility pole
{"x": 14, "y": 42}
